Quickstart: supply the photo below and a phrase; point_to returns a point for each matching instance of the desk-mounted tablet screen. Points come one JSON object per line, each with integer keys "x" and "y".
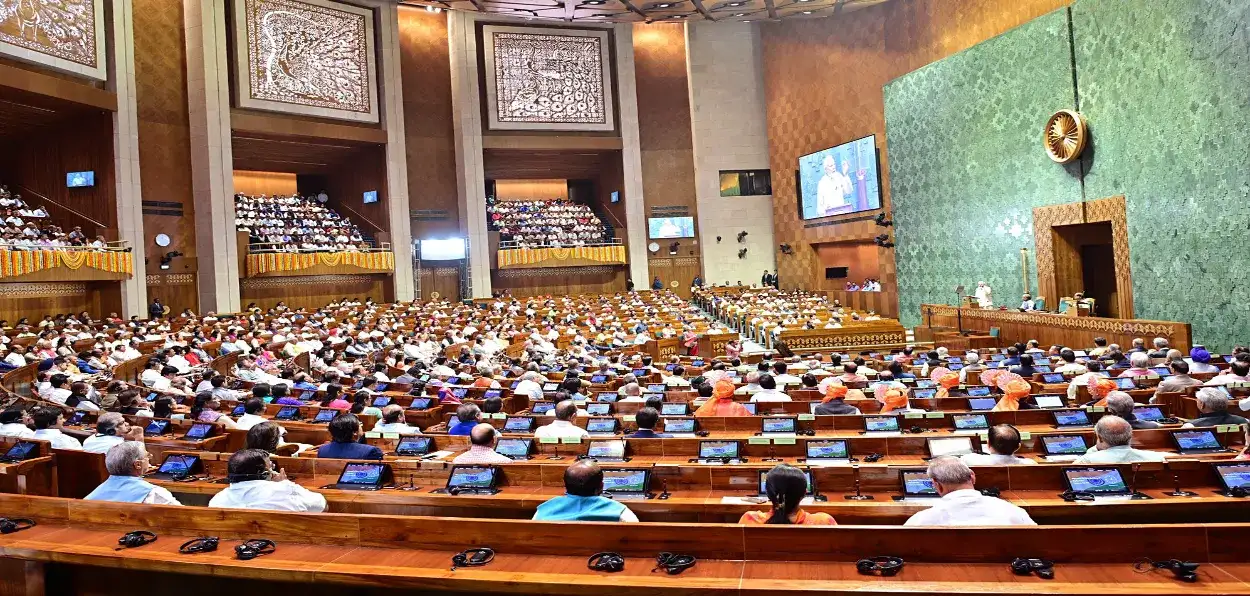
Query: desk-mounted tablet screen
{"x": 828, "y": 449}
{"x": 679, "y": 425}
{"x": 1048, "y": 401}
{"x": 718, "y": 449}
{"x": 916, "y": 483}
{"x": 764, "y": 481}
{"x": 1064, "y": 445}
{"x": 981, "y": 403}
{"x": 675, "y": 409}
{"x": 1071, "y": 418}
{"x": 978, "y": 391}
{"x": 513, "y": 447}
{"x": 1099, "y": 480}
{"x": 606, "y": 449}
{"x": 970, "y": 421}
{"x": 471, "y": 477}
{"x": 881, "y": 423}
{"x": 950, "y": 446}
{"x": 518, "y": 424}
{"x": 358, "y": 474}
{"x": 778, "y": 425}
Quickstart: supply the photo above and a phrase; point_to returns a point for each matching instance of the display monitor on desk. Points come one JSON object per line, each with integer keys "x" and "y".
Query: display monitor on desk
{"x": 1151, "y": 413}
{"x": 881, "y": 424}
{"x": 601, "y": 426}
{"x": 978, "y": 391}
{"x": 916, "y": 484}
{"x": 626, "y": 482}
{"x": 718, "y": 450}
{"x": 1126, "y": 383}
{"x": 981, "y": 403}
{"x": 542, "y": 407}
{"x": 514, "y": 448}
{"x": 779, "y": 425}
{"x": 362, "y": 476}
{"x": 675, "y": 409}
{"x": 1196, "y": 441}
{"x": 1070, "y": 418}
{"x": 606, "y": 450}
{"x": 1064, "y": 445}
{"x": 923, "y": 393}
{"x": 471, "y": 478}
{"x": 413, "y": 446}
{"x": 970, "y": 421}
{"x": 1052, "y": 378}
{"x": 420, "y": 403}
{"x": 811, "y": 484}
{"x": 1233, "y": 475}
{"x": 519, "y": 424}
{"x": 949, "y": 446}
{"x": 1046, "y": 402}
{"x": 828, "y": 450}
{"x": 596, "y": 409}
{"x": 287, "y": 413}
{"x": 679, "y": 426}
{"x": 1098, "y": 480}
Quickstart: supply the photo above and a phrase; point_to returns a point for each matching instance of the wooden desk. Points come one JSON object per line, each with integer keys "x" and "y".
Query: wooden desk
{"x": 1055, "y": 329}
{"x": 375, "y": 555}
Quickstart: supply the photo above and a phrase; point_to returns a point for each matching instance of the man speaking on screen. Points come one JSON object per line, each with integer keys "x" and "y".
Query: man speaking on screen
{"x": 833, "y": 190}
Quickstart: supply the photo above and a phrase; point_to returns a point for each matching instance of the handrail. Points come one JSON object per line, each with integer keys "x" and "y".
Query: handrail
{"x": 376, "y": 228}
{"x": 510, "y": 244}
{"x": 618, "y": 225}
{"x": 277, "y": 247}
{"x": 75, "y": 212}
{"x": 110, "y": 246}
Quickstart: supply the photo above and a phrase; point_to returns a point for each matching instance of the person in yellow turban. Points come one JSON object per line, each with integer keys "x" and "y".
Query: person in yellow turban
{"x": 895, "y": 399}
{"x": 1100, "y": 388}
{"x": 833, "y": 404}
{"x": 1012, "y": 394}
{"x": 722, "y": 402}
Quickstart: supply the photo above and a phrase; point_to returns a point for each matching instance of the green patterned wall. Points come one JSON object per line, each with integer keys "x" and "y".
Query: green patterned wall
{"x": 966, "y": 165}
{"x": 1165, "y": 86}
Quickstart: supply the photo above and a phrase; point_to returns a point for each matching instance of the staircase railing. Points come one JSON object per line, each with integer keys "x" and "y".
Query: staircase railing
{"x": 63, "y": 214}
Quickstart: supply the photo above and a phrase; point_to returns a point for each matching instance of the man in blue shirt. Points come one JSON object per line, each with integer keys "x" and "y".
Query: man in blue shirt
{"x": 467, "y": 416}
{"x": 646, "y": 419}
{"x": 344, "y": 444}
{"x": 582, "y": 501}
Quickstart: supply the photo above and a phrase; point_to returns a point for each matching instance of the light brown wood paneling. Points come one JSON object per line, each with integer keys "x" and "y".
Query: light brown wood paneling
{"x": 265, "y": 183}
{"x": 1058, "y": 262}
{"x": 443, "y": 281}
{"x": 165, "y": 149}
{"x": 560, "y": 281}
{"x": 425, "y": 63}
{"x": 41, "y": 160}
{"x": 531, "y": 190}
{"x": 675, "y": 269}
{"x": 313, "y": 291}
{"x": 34, "y": 300}
{"x": 823, "y": 80}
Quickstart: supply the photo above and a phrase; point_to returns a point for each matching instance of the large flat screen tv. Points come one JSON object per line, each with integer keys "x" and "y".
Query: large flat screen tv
{"x": 442, "y": 249}
{"x": 670, "y": 227}
{"x": 840, "y": 180}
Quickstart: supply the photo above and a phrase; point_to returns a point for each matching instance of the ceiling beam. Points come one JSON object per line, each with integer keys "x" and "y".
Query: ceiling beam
{"x": 569, "y": 8}
{"x": 703, "y": 11}
{"x": 635, "y": 9}
{"x": 772, "y": 9}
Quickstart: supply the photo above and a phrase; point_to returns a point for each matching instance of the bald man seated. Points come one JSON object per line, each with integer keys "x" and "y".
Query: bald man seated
{"x": 1114, "y": 437}
{"x": 583, "y": 501}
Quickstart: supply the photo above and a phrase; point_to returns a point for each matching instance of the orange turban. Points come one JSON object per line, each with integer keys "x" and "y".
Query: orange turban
{"x": 949, "y": 380}
{"x": 724, "y": 389}
{"x": 1012, "y": 394}
{"x": 894, "y": 399}
{"x": 834, "y": 391}
{"x": 1100, "y": 388}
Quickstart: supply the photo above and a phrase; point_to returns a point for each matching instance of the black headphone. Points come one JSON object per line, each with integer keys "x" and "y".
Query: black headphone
{"x": 136, "y": 539}
{"x": 1183, "y": 570}
{"x": 16, "y": 524}
{"x": 232, "y": 478}
{"x": 1044, "y": 569}
{"x": 610, "y": 562}
{"x": 472, "y": 557}
{"x": 673, "y": 564}
{"x": 873, "y": 457}
{"x": 1237, "y": 492}
{"x": 1072, "y": 496}
{"x": 991, "y": 491}
{"x": 203, "y": 544}
{"x": 250, "y": 549}
{"x": 885, "y": 566}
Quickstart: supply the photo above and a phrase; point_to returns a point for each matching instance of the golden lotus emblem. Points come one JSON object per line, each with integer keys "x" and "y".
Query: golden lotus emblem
{"x": 1065, "y": 136}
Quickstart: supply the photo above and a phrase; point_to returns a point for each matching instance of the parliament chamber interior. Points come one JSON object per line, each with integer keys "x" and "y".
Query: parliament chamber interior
{"x": 585, "y": 296}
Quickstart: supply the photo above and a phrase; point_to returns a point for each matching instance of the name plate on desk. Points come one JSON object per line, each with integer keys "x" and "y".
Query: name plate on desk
{"x": 807, "y": 416}
{"x": 549, "y": 440}
{"x": 934, "y": 414}
{"x": 629, "y": 418}
{"x": 373, "y": 435}
{"x": 783, "y": 441}
{"x": 499, "y": 416}
{"x": 913, "y": 415}
{"x": 571, "y": 440}
{"x": 390, "y": 436}
{"x": 759, "y": 441}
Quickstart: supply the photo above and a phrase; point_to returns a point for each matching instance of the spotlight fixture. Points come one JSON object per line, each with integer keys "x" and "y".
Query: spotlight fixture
{"x": 807, "y": 12}
{"x": 594, "y": 2}
{"x": 168, "y": 258}
{"x": 433, "y": 9}
{"x": 740, "y": 14}
{"x": 882, "y": 221}
{"x": 883, "y": 240}
{"x": 742, "y": 254}
{"x": 672, "y": 248}
{"x": 735, "y": 4}
{"x": 742, "y": 236}
{"x": 718, "y": 239}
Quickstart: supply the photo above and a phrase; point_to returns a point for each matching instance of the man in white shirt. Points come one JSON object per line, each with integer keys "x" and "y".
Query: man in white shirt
{"x": 1070, "y": 366}
{"x": 127, "y": 462}
{"x": 1004, "y": 441}
{"x": 58, "y": 389}
{"x": 961, "y": 503}
{"x": 768, "y": 391}
{"x": 251, "y": 414}
{"x": 782, "y": 377}
{"x": 529, "y": 386}
{"x": 48, "y": 423}
{"x": 13, "y": 423}
{"x": 256, "y": 484}
{"x": 1114, "y": 436}
{"x": 393, "y": 421}
{"x": 111, "y": 428}
{"x": 562, "y": 426}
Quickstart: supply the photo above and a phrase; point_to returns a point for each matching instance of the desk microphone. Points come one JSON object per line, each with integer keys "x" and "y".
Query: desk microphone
{"x": 1132, "y": 486}
{"x": 858, "y": 496}
{"x": 1177, "y": 491}
{"x": 772, "y": 453}
{"x": 664, "y": 494}
{"x": 411, "y": 484}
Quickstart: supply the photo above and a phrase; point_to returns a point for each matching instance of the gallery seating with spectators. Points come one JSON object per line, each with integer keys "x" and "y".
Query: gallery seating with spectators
{"x": 535, "y": 224}
{"x": 295, "y": 224}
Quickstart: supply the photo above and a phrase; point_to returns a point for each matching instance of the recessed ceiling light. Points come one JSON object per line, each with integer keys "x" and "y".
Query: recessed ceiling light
{"x": 741, "y": 14}
{"x": 594, "y": 2}
{"x": 807, "y": 12}
{"x": 664, "y": 5}
{"x": 735, "y": 4}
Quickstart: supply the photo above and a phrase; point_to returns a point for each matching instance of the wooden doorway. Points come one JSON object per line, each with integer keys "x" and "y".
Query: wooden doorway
{"x": 1083, "y": 247}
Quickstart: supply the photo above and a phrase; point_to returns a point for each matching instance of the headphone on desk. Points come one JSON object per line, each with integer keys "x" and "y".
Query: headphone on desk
{"x": 1183, "y": 570}
{"x": 203, "y": 544}
{"x": 250, "y": 549}
{"x": 16, "y": 524}
{"x": 472, "y": 557}
{"x": 885, "y": 566}
{"x": 606, "y": 561}
{"x": 673, "y": 564}
{"x": 1044, "y": 568}
{"x": 1072, "y": 496}
{"x": 136, "y": 539}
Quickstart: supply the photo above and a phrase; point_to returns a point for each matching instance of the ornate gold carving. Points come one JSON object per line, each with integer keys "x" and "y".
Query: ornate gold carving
{"x": 305, "y": 280}
{"x": 44, "y": 290}
{"x": 547, "y": 78}
{"x": 1065, "y": 136}
{"x": 64, "y": 31}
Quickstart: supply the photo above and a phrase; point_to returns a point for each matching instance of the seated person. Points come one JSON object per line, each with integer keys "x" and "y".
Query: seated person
{"x": 345, "y": 442}
{"x": 255, "y": 483}
{"x": 722, "y": 401}
{"x": 393, "y": 421}
{"x": 48, "y": 423}
{"x": 647, "y": 419}
{"x": 1114, "y": 437}
{"x": 252, "y": 414}
{"x": 127, "y": 462}
{"x": 1025, "y": 369}
{"x": 833, "y": 404}
{"x": 111, "y": 428}
{"x": 961, "y": 503}
{"x": 786, "y": 486}
{"x": 562, "y": 427}
{"x": 1004, "y": 441}
{"x": 482, "y": 448}
{"x": 1177, "y": 382}
{"x": 1121, "y": 404}
{"x": 13, "y": 423}
{"x": 1213, "y": 405}
{"x": 467, "y": 417}
{"x": 768, "y": 391}
{"x": 582, "y": 501}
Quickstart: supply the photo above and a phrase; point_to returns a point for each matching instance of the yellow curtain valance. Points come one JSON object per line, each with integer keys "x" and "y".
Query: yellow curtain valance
{"x": 556, "y": 257}
{"x": 24, "y": 262}
{"x": 287, "y": 261}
